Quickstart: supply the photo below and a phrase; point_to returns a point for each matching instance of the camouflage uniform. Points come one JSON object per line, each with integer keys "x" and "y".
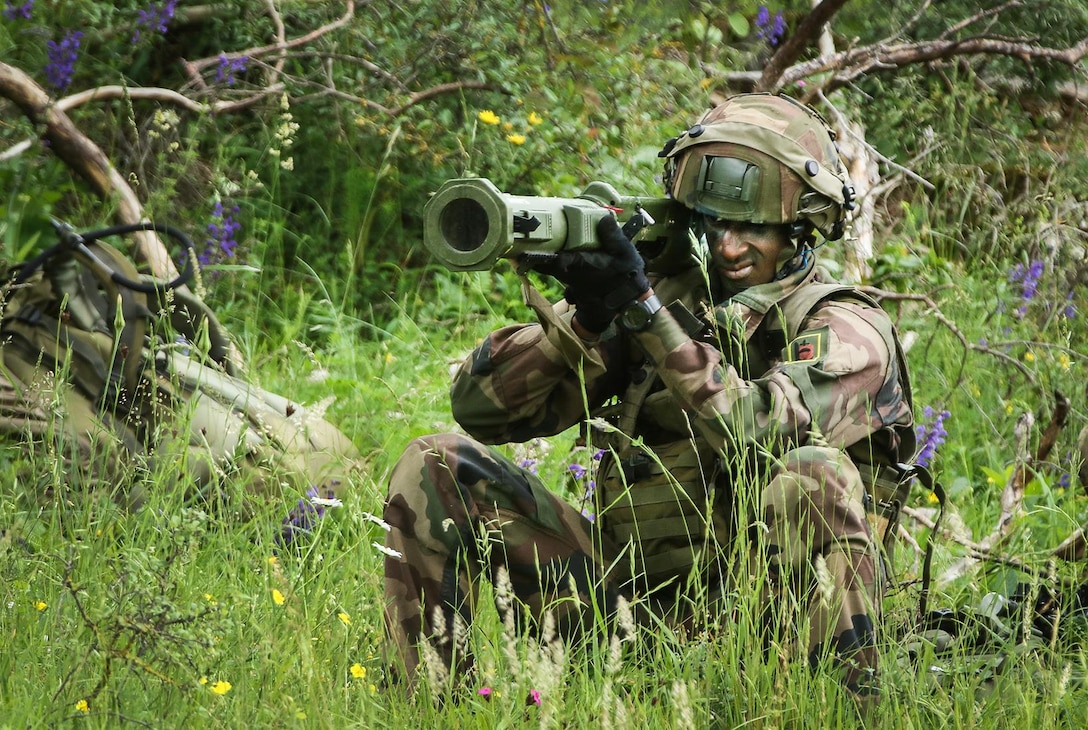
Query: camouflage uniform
{"x": 706, "y": 402}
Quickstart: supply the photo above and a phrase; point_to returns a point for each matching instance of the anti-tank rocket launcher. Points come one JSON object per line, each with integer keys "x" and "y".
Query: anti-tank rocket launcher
{"x": 469, "y": 224}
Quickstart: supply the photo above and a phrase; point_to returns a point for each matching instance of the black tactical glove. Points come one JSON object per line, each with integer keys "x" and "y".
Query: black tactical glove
{"x": 600, "y": 282}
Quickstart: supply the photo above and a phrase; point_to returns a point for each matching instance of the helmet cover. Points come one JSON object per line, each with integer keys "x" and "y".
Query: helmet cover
{"x": 761, "y": 158}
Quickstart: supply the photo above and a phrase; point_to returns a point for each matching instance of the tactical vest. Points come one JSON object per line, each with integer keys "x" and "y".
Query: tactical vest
{"x": 658, "y": 496}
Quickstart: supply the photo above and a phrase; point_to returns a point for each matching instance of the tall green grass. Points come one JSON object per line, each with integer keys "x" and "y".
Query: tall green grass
{"x": 185, "y": 614}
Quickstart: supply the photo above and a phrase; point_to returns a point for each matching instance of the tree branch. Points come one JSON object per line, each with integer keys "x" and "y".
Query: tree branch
{"x": 194, "y": 68}
{"x": 88, "y": 160}
{"x": 806, "y": 34}
{"x": 847, "y": 66}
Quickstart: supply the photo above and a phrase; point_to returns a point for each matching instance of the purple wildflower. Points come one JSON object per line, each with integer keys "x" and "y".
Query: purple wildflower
{"x": 768, "y": 29}
{"x": 1028, "y": 278}
{"x": 229, "y": 68}
{"x": 304, "y": 516}
{"x": 528, "y": 465}
{"x": 577, "y": 471}
{"x": 62, "y": 59}
{"x": 155, "y": 17}
{"x": 533, "y": 698}
{"x": 13, "y": 11}
{"x": 222, "y": 235}
{"x": 1070, "y": 309}
{"x": 587, "y": 499}
{"x": 484, "y": 692}
{"x": 931, "y": 435}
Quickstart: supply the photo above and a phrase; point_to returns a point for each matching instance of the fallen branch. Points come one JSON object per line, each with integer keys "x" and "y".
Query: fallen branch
{"x": 975, "y": 551}
{"x": 935, "y": 311}
{"x": 1012, "y": 496}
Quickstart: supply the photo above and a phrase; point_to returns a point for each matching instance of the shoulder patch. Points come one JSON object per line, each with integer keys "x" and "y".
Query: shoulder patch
{"x": 809, "y": 346}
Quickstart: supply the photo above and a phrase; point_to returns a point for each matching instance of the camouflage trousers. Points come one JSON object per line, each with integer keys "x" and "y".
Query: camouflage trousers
{"x": 459, "y": 511}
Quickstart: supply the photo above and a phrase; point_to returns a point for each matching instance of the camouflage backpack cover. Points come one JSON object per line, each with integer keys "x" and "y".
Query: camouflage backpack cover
{"x": 126, "y": 376}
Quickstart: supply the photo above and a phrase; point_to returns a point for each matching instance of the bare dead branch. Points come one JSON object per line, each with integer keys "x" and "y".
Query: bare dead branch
{"x": 842, "y": 124}
{"x": 322, "y": 89}
{"x": 976, "y": 552}
{"x": 86, "y": 158}
{"x": 935, "y": 311}
{"x": 847, "y": 66}
{"x": 1012, "y": 496}
{"x": 1072, "y": 548}
{"x": 978, "y": 17}
{"x": 194, "y": 68}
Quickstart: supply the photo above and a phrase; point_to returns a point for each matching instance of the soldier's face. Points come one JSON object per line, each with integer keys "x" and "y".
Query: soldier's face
{"x": 745, "y": 254}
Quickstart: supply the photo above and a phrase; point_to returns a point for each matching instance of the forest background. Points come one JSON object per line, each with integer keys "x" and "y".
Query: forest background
{"x": 297, "y": 142}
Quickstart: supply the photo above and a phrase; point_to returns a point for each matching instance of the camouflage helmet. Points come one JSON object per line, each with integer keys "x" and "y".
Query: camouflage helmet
{"x": 761, "y": 158}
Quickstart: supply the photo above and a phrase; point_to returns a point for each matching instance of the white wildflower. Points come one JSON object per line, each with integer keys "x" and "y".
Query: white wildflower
{"x": 377, "y": 521}
{"x": 387, "y": 551}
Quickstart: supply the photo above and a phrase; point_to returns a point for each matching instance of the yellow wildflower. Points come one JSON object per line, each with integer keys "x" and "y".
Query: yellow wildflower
{"x": 515, "y": 138}
{"x": 535, "y": 119}
{"x": 1063, "y": 360}
{"x": 41, "y": 605}
{"x": 344, "y": 618}
{"x": 933, "y": 498}
{"x": 277, "y": 597}
{"x": 221, "y": 687}
{"x": 488, "y": 117}
{"x": 1029, "y": 356}
{"x": 272, "y": 560}
{"x": 507, "y": 127}
{"x": 83, "y": 706}
{"x": 358, "y": 670}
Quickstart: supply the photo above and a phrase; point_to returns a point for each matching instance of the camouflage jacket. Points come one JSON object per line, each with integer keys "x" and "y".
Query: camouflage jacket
{"x": 733, "y": 373}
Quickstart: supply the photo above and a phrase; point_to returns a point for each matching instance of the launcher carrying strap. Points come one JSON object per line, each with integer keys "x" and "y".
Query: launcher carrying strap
{"x": 925, "y": 478}
{"x": 74, "y": 269}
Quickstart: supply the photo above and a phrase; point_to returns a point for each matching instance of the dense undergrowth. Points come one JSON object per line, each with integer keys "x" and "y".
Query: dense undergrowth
{"x": 185, "y": 614}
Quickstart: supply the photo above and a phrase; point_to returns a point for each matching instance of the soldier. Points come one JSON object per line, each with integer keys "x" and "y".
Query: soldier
{"x": 756, "y": 407}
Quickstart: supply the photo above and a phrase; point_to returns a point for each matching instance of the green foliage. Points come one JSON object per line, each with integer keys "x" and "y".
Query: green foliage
{"x": 331, "y": 295}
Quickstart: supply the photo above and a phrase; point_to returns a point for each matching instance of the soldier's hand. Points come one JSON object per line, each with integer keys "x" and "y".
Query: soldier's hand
{"x": 600, "y": 282}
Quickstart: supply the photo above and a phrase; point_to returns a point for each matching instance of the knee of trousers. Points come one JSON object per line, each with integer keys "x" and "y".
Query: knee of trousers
{"x": 817, "y": 493}
{"x": 424, "y": 456}
{"x": 822, "y": 467}
{"x": 425, "y": 470}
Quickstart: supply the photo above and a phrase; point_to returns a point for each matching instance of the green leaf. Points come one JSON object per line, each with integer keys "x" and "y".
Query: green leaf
{"x": 738, "y": 23}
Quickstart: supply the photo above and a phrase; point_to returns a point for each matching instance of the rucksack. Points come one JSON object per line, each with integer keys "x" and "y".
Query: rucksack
{"x": 117, "y": 372}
